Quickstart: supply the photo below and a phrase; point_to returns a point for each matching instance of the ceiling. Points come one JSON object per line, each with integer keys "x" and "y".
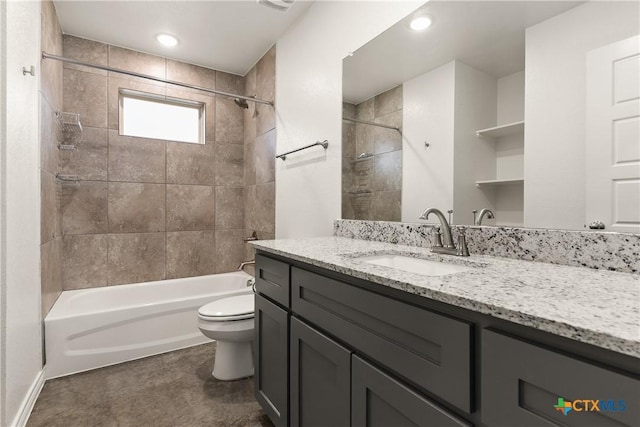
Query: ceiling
{"x": 225, "y": 35}
{"x": 487, "y": 35}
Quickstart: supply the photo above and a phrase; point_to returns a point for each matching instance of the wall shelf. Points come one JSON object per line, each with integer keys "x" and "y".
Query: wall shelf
{"x": 501, "y": 131}
{"x": 497, "y": 182}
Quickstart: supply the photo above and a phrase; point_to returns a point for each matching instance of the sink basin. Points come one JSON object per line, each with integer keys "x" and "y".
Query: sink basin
{"x": 414, "y": 265}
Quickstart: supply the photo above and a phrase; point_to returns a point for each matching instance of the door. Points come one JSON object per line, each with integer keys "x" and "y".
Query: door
{"x": 272, "y": 360}
{"x": 320, "y": 379}
{"x": 379, "y": 400}
{"x": 613, "y": 136}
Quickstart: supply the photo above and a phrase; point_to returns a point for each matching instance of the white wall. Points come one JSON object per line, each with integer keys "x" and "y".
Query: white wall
{"x": 474, "y": 158}
{"x": 511, "y": 98}
{"x": 20, "y": 206}
{"x": 428, "y": 115}
{"x": 555, "y": 87}
{"x": 309, "y": 107}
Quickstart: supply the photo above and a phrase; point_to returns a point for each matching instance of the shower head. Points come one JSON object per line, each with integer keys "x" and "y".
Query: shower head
{"x": 241, "y": 103}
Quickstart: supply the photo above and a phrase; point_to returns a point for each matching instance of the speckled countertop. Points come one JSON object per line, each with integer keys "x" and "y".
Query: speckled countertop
{"x": 592, "y": 306}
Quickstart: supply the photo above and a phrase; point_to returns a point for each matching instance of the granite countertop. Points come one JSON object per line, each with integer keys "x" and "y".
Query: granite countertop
{"x": 596, "y": 307}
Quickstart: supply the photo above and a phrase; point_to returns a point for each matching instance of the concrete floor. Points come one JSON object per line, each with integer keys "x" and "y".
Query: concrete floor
{"x": 172, "y": 389}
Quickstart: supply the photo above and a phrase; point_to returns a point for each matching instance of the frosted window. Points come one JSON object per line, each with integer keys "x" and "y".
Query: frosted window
{"x": 152, "y": 116}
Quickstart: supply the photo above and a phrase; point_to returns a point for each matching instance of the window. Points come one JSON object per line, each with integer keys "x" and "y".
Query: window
{"x": 160, "y": 117}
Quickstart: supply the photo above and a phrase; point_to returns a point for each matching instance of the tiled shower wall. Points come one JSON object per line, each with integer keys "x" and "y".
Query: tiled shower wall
{"x": 50, "y": 134}
{"x": 372, "y": 186}
{"x": 147, "y": 209}
{"x": 259, "y": 152}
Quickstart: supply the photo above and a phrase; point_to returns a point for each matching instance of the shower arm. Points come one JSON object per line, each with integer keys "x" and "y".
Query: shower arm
{"x": 46, "y": 55}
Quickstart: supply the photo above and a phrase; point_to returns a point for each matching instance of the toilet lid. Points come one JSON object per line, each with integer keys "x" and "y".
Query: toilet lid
{"x": 236, "y": 308}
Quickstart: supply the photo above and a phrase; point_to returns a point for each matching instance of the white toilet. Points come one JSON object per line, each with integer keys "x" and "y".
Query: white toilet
{"x": 229, "y": 321}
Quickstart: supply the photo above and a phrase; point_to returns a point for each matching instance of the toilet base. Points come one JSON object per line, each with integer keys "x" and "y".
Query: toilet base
{"x": 234, "y": 360}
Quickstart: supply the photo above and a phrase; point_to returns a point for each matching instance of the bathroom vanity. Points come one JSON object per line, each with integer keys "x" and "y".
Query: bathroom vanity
{"x": 342, "y": 341}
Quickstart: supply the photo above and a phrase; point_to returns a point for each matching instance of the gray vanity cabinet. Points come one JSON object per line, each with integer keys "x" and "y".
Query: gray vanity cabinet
{"x": 379, "y": 400}
{"x": 320, "y": 378}
{"x": 271, "y": 360}
{"x": 521, "y": 383}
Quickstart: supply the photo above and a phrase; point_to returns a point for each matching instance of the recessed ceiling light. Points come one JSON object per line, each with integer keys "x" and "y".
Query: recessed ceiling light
{"x": 420, "y": 23}
{"x": 167, "y": 40}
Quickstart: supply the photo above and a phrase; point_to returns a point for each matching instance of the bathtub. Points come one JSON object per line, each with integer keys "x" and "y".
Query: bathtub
{"x": 92, "y": 328}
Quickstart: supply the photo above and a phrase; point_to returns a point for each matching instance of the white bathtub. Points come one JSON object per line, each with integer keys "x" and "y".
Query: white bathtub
{"x": 92, "y": 328}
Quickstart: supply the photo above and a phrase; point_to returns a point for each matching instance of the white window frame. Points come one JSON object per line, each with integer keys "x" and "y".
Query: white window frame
{"x": 152, "y": 97}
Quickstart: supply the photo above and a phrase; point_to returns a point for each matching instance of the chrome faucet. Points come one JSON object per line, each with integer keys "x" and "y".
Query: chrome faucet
{"x": 245, "y": 263}
{"x": 483, "y": 212}
{"x": 447, "y": 247}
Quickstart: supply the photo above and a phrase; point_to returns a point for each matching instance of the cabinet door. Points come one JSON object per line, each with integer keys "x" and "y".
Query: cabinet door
{"x": 320, "y": 379}
{"x": 272, "y": 360}
{"x": 527, "y": 385}
{"x": 380, "y": 400}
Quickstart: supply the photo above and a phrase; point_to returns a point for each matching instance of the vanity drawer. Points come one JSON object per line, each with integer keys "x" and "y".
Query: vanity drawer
{"x": 272, "y": 279}
{"x": 431, "y": 350}
{"x": 522, "y": 382}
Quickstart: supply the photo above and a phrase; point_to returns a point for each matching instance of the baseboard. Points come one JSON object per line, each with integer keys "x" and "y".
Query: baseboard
{"x": 30, "y": 400}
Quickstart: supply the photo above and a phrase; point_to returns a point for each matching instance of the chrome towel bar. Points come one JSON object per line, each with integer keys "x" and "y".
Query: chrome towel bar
{"x": 324, "y": 145}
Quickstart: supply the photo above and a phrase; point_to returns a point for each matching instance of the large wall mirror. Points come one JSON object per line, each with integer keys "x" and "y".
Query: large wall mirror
{"x": 527, "y": 109}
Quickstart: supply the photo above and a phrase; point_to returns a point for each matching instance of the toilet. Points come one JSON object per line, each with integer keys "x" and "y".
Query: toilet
{"x": 229, "y": 321}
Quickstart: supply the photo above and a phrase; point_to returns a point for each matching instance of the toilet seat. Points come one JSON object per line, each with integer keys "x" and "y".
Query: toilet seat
{"x": 238, "y": 307}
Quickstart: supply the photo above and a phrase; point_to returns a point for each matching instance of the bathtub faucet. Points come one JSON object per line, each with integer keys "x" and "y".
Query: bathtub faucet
{"x": 244, "y": 264}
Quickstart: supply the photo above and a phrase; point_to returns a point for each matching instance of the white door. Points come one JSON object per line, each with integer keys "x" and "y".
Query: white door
{"x": 613, "y": 136}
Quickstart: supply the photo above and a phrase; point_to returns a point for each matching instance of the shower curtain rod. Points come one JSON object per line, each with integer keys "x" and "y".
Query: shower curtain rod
{"x": 372, "y": 124}
{"x": 46, "y": 55}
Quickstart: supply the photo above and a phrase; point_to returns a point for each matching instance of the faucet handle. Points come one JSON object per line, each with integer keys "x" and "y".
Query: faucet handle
{"x": 437, "y": 237}
{"x": 462, "y": 249}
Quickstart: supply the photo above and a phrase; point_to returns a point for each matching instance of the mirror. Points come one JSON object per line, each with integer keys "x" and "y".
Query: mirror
{"x": 439, "y": 117}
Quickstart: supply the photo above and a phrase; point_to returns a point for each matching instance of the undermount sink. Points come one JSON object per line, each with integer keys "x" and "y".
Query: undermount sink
{"x": 414, "y": 265}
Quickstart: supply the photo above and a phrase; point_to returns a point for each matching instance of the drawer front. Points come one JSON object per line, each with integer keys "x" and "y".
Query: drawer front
{"x": 380, "y": 400}
{"x": 522, "y": 382}
{"x": 272, "y": 279}
{"x": 431, "y": 350}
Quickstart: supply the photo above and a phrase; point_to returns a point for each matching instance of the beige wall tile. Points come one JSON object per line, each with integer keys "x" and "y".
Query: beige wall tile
{"x": 365, "y": 110}
{"x": 229, "y": 208}
{"x": 49, "y": 136}
{"x": 229, "y": 164}
{"x": 388, "y": 102}
{"x": 190, "y": 253}
{"x": 266, "y": 76}
{"x": 50, "y": 70}
{"x": 86, "y": 51}
{"x": 386, "y": 205}
{"x": 136, "y": 258}
{"x": 136, "y": 208}
{"x": 364, "y": 139}
{"x": 131, "y": 60}
{"x": 191, "y": 163}
{"x": 249, "y": 163}
{"x": 250, "y": 207}
{"x": 349, "y": 141}
{"x": 229, "y": 121}
{"x": 50, "y": 273}
{"x": 84, "y": 207}
{"x": 229, "y": 250}
{"x": 86, "y": 93}
{"x": 90, "y": 158}
{"x": 136, "y": 159}
{"x": 230, "y": 83}
{"x": 265, "y": 211}
{"x": 50, "y": 218}
{"x": 388, "y": 139}
{"x": 84, "y": 261}
{"x": 265, "y": 161}
{"x": 265, "y": 118}
{"x": 349, "y": 110}
{"x": 388, "y": 171}
{"x": 190, "y": 207}
{"x": 191, "y": 74}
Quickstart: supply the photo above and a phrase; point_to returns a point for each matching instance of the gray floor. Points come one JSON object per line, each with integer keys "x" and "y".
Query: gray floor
{"x": 172, "y": 389}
